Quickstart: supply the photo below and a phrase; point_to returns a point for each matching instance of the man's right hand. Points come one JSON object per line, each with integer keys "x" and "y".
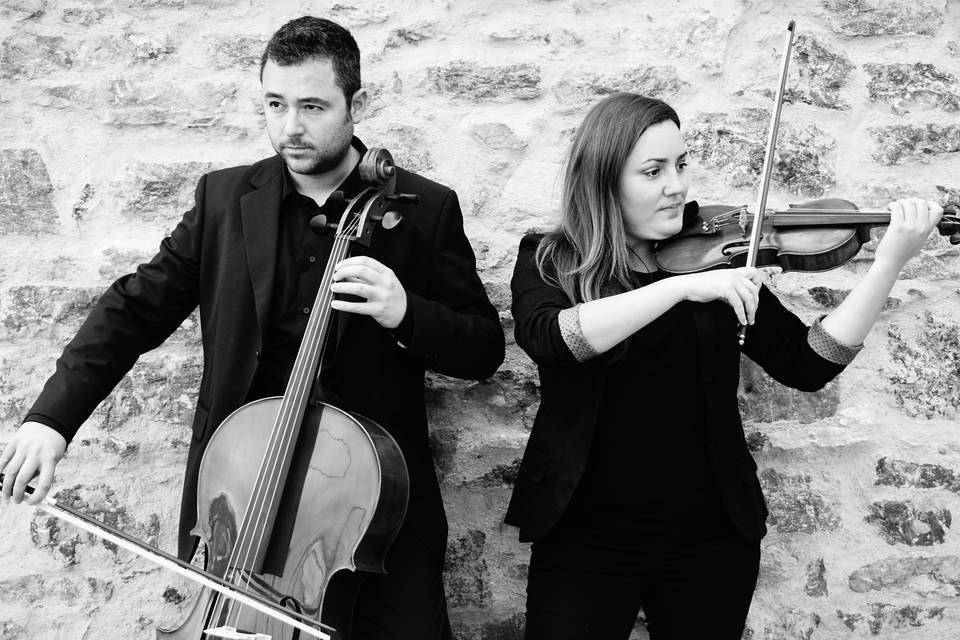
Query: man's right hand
{"x": 34, "y": 448}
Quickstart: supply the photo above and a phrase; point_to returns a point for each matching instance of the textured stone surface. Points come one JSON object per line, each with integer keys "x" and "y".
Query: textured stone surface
{"x": 135, "y": 103}
{"x": 161, "y": 191}
{"x": 927, "y": 576}
{"x": 880, "y": 616}
{"x": 466, "y": 575}
{"x": 822, "y": 73}
{"x": 883, "y": 17}
{"x": 26, "y": 205}
{"x": 25, "y": 55}
{"x": 902, "y": 522}
{"x": 659, "y": 82}
{"x": 792, "y": 624}
{"x": 733, "y": 144}
{"x": 816, "y": 586}
{"x": 899, "y": 143}
{"x": 902, "y": 473}
{"x": 923, "y": 363}
{"x": 795, "y": 506}
{"x": 763, "y": 399}
{"x": 52, "y": 312}
{"x": 470, "y": 81}
{"x": 508, "y": 628}
{"x": 903, "y": 85}
{"x": 237, "y": 51}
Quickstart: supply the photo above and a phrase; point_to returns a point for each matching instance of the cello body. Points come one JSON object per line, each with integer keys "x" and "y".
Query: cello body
{"x": 344, "y": 501}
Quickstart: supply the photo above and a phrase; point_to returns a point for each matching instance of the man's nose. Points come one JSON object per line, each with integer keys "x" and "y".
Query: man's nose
{"x": 292, "y": 124}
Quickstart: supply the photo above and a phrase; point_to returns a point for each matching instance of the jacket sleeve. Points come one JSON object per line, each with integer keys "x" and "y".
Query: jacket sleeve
{"x": 136, "y": 314}
{"x": 778, "y": 342}
{"x": 536, "y": 309}
{"x": 453, "y": 326}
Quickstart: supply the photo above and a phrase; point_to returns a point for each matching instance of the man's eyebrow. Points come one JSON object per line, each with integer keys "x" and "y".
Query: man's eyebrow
{"x": 311, "y": 99}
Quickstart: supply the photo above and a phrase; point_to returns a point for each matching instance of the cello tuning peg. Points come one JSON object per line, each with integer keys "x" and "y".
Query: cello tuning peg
{"x": 955, "y": 238}
{"x": 389, "y": 220}
{"x": 319, "y": 224}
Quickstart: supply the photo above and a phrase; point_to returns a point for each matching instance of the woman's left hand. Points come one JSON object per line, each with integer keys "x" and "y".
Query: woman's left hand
{"x": 911, "y": 221}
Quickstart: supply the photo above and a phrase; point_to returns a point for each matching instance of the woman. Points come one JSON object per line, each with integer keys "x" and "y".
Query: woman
{"x": 637, "y": 488}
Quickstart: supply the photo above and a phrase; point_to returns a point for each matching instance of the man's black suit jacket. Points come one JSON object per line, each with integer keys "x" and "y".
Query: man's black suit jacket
{"x": 571, "y": 392}
{"x": 221, "y": 257}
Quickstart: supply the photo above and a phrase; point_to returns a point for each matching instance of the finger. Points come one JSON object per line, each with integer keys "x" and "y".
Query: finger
{"x": 360, "y": 308}
{"x": 27, "y": 471}
{"x": 360, "y": 273}
{"x": 354, "y": 288}
{"x": 748, "y": 296}
{"x": 10, "y": 474}
{"x": 44, "y": 482}
{"x": 734, "y": 301}
{"x": 7, "y": 455}
{"x": 359, "y": 261}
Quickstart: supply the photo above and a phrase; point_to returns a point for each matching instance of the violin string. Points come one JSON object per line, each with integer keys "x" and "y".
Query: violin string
{"x": 266, "y": 497}
{"x": 248, "y": 545}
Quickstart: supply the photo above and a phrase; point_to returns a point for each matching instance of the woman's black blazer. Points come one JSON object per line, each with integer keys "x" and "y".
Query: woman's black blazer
{"x": 571, "y": 392}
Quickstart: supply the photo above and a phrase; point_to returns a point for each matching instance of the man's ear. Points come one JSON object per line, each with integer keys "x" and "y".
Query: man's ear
{"x": 358, "y": 105}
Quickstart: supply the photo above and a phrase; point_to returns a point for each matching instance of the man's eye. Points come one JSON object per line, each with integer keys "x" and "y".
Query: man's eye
{"x": 273, "y": 104}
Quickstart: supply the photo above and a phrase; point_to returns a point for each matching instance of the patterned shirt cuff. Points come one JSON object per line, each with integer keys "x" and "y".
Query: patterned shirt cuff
{"x": 828, "y": 347}
{"x": 573, "y": 336}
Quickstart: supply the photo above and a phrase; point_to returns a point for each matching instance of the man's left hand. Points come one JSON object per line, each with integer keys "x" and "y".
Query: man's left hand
{"x": 386, "y": 299}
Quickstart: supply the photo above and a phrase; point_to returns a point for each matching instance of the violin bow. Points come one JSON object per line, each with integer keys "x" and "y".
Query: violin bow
{"x": 757, "y": 230}
{"x": 185, "y": 569}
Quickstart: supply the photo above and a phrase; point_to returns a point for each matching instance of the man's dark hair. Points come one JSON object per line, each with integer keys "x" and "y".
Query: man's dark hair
{"x": 309, "y": 37}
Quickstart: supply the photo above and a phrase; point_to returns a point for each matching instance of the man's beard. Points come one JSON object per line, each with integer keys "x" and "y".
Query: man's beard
{"x": 323, "y": 161}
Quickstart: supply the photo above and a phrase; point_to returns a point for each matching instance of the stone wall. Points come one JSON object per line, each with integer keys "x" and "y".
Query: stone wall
{"x": 111, "y": 109}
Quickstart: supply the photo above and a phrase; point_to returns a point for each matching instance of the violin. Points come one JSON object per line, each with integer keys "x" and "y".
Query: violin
{"x": 817, "y": 235}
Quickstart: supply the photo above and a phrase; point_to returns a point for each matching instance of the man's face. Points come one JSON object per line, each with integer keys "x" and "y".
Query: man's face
{"x": 309, "y": 121}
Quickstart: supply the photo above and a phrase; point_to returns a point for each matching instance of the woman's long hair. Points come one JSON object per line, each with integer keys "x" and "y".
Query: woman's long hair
{"x": 587, "y": 255}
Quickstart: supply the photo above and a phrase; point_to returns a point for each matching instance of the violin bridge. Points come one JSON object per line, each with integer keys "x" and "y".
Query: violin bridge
{"x": 232, "y": 633}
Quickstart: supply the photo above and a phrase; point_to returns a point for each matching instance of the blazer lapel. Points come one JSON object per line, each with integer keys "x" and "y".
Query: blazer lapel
{"x": 260, "y": 212}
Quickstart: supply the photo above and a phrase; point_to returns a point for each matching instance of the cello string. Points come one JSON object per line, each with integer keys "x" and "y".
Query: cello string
{"x": 251, "y": 541}
{"x": 264, "y": 498}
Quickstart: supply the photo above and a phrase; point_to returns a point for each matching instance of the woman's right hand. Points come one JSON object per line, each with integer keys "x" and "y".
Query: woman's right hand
{"x": 35, "y": 448}
{"x": 739, "y": 288}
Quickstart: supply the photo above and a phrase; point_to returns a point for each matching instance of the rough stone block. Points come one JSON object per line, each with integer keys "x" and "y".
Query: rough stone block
{"x": 28, "y": 56}
{"x": 119, "y": 263}
{"x": 795, "y": 507}
{"x": 734, "y": 145}
{"x": 822, "y": 74}
{"x": 162, "y": 391}
{"x": 901, "y": 521}
{"x": 470, "y": 81}
{"x": 900, "y": 85}
{"x": 923, "y": 363}
{"x": 508, "y": 628}
{"x": 99, "y": 502}
{"x": 899, "y": 142}
{"x": 763, "y": 399}
{"x": 879, "y": 616}
{"x": 660, "y": 82}
{"x": 465, "y": 574}
{"x": 927, "y": 576}
{"x": 408, "y": 146}
{"x": 411, "y": 35}
{"x": 85, "y": 16}
{"x": 790, "y": 624}
{"x": 161, "y": 191}
{"x": 882, "y": 17}
{"x": 498, "y": 136}
{"x": 237, "y": 51}
{"x": 33, "y": 312}
{"x": 22, "y": 10}
{"x": 816, "y": 585}
{"x": 900, "y": 473}
{"x": 26, "y": 203}
{"x": 154, "y": 103}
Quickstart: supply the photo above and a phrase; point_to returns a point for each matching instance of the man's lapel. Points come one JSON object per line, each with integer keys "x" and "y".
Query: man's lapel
{"x": 260, "y": 213}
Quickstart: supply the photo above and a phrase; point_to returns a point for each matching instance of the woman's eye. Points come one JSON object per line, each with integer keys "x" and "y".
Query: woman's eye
{"x": 653, "y": 173}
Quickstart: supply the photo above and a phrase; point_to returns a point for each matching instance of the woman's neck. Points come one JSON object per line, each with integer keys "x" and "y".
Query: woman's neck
{"x": 640, "y": 256}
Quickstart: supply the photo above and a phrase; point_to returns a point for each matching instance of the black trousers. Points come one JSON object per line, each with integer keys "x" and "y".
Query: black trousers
{"x": 591, "y": 585}
{"x": 406, "y": 603}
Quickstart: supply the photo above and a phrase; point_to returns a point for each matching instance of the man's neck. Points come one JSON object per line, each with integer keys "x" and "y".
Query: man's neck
{"x": 320, "y": 186}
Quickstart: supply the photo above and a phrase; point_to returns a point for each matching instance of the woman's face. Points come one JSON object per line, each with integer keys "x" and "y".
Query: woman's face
{"x": 653, "y": 185}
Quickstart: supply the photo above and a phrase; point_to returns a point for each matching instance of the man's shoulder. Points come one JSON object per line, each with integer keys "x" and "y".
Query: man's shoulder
{"x": 424, "y": 187}
{"x": 246, "y": 175}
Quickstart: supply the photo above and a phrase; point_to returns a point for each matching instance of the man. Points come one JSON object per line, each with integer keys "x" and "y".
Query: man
{"x": 246, "y": 254}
